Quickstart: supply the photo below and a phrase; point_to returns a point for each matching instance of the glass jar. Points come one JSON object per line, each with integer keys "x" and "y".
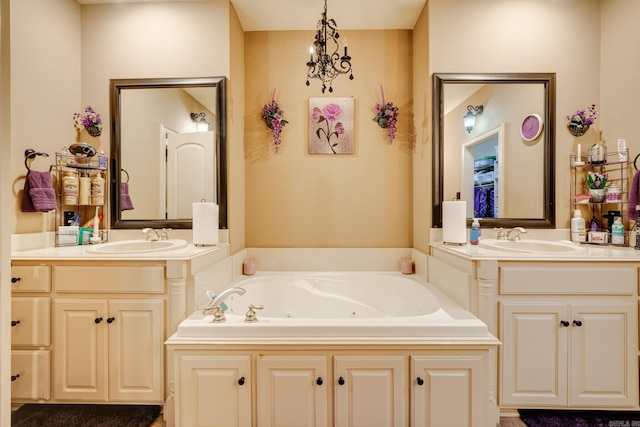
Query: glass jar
{"x": 613, "y": 193}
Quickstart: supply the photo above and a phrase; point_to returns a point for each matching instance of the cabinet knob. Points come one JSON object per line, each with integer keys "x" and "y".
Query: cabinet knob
{"x": 15, "y": 322}
{"x": 341, "y": 381}
{"x": 15, "y": 377}
{"x": 98, "y": 319}
{"x": 577, "y": 323}
{"x": 319, "y": 381}
{"x": 15, "y": 279}
{"x": 420, "y": 381}
{"x": 564, "y": 323}
{"x": 110, "y": 319}
{"x": 241, "y": 381}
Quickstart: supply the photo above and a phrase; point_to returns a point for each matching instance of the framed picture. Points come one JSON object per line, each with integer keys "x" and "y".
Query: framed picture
{"x": 331, "y": 125}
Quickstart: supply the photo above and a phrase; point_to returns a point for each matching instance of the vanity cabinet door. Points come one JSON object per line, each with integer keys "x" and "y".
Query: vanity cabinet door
{"x": 292, "y": 391}
{"x": 370, "y": 391}
{"x": 533, "y": 356}
{"x": 212, "y": 390}
{"x": 603, "y": 354}
{"x": 80, "y": 350}
{"x": 136, "y": 351}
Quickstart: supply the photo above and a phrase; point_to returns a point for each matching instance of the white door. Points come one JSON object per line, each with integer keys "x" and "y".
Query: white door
{"x": 191, "y": 168}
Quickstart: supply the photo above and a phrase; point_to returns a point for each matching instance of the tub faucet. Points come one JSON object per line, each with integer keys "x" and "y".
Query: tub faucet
{"x": 152, "y": 234}
{"x": 517, "y": 231}
{"x": 217, "y": 301}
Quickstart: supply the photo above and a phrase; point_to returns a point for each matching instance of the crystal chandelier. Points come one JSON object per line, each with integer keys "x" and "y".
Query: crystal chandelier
{"x": 325, "y": 62}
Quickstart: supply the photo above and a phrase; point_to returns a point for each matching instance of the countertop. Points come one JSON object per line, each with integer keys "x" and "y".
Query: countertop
{"x": 593, "y": 252}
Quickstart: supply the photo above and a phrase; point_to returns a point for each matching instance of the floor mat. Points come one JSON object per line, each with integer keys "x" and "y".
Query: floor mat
{"x": 31, "y": 415}
{"x": 555, "y": 418}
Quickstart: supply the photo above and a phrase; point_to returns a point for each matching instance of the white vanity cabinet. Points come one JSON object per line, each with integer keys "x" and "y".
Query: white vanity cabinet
{"x": 569, "y": 329}
{"x": 336, "y": 385}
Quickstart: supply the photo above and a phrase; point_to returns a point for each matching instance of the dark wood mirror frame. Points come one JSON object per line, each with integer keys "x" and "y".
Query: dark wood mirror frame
{"x": 549, "y": 82}
{"x": 115, "y": 88}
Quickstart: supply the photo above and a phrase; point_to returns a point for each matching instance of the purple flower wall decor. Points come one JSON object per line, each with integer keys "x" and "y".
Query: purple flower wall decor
{"x": 90, "y": 120}
{"x": 331, "y": 126}
{"x": 387, "y": 117}
{"x": 274, "y": 119}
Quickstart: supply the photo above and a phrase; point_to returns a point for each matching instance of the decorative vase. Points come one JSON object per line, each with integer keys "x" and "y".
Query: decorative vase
{"x": 577, "y": 129}
{"x": 598, "y": 195}
{"x": 93, "y": 130}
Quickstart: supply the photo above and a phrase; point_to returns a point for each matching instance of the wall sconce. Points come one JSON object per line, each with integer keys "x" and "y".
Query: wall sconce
{"x": 201, "y": 121}
{"x": 470, "y": 117}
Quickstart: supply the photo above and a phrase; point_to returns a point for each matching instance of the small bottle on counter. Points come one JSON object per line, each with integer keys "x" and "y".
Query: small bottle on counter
{"x": 102, "y": 160}
{"x": 617, "y": 232}
{"x": 474, "y": 236}
{"x": 70, "y": 188}
{"x": 578, "y": 229}
{"x": 97, "y": 189}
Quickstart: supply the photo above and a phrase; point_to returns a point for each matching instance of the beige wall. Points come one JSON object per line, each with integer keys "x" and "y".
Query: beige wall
{"x": 294, "y": 199}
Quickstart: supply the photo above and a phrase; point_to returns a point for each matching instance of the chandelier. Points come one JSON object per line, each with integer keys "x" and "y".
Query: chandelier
{"x": 325, "y": 62}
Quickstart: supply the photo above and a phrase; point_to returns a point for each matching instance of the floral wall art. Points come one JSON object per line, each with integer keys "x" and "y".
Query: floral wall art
{"x": 331, "y": 125}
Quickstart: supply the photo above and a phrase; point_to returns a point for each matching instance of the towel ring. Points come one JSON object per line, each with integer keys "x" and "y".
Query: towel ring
{"x": 126, "y": 173}
{"x": 30, "y": 154}
{"x": 635, "y": 166}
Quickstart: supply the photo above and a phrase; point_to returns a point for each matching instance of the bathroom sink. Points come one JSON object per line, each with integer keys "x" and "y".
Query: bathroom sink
{"x": 137, "y": 246}
{"x": 533, "y": 246}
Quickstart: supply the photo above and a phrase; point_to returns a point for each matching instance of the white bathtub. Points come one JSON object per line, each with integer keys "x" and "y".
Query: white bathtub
{"x": 341, "y": 304}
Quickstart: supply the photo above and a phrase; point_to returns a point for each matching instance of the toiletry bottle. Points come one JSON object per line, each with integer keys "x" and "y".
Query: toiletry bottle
{"x": 102, "y": 160}
{"x": 594, "y": 224}
{"x": 475, "y": 232}
{"x": 95, "y": 236}
{"x": 70, "y": 188}
{"x": 84, "y": 189}
{"x": 97, "y": 189}
{"x": 617, "y": 232}
{"x": 578, "y": 230}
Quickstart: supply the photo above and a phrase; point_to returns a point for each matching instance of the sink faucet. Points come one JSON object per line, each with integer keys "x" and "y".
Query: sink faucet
{"x": 152, "y": 234}
{"x": 500, "y": 235}
{"x": 218, "y": 299}
{"x": 517, "y": 231}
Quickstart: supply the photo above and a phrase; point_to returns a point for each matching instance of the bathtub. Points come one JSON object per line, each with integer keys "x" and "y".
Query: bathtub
{"x": 330, "y": 305}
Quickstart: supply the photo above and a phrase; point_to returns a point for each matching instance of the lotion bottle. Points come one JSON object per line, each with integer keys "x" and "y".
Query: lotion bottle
{"x": 474, "y": 236}
{"x": 617, "y": 232}
{"x": 578, "y": 229}
{"x": 97, "y": 189}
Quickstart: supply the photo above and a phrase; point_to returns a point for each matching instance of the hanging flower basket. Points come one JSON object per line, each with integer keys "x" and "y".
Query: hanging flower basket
{"x": 387, "y": 117}
{"x": 94, "y": 130}
{"x": 274, "y": 119}
{"x": 90, "y": 120}
{"x": 578, "y": 129}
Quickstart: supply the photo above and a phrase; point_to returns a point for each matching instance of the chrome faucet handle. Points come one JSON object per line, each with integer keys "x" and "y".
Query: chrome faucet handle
{"x": 501, "y": 235}
{"x": 250, "y": 316}
{"x": 164, "y": 234}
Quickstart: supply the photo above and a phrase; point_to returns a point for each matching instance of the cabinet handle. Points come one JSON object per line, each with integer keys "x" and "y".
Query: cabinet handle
{"x": 420, "y": 381}
{"x": 241, "y": 381}
{"x": 15, "y": 279}
{"x": 564, "y": 323}
{"x": 15, "y": 322}
{"x": 98, "y": 319}
{"x": 15, "y": 377}
{"x": 341, "y": 381}
{"x": 110, "y": 319}
{"x": 319, "y": 381}
{"x": 577, "y": 323}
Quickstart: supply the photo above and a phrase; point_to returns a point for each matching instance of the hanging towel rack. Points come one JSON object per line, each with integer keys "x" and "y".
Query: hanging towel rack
{"x": 31, "y": 154}
{"x": 126, "y": 173}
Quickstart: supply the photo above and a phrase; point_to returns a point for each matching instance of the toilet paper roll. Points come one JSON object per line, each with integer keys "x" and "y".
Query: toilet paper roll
{"x": 205, "y": 224}
{"x": 454, "y": 222}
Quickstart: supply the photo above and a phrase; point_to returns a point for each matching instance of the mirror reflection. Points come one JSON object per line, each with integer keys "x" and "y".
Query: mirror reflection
{"x": 502, "y": 171}
{"x": 168, "y": 144}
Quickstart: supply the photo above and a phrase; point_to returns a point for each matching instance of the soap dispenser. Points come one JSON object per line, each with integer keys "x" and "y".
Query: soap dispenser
{"x": 475, "y": 234}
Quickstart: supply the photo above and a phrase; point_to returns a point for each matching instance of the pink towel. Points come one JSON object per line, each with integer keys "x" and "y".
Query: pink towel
{"x": 634, "y": 197}
{"x": 38, "y": 195}
{"x": 125, "y": 199}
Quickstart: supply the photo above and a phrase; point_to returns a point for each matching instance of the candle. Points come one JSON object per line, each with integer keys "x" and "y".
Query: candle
{"x": 311, "y": 53}
{"x": 345, "y": 46}
{"x": 579, "y": 152}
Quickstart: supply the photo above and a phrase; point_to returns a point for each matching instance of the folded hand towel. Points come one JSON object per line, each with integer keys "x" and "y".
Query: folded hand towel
{"x": 634, "y": 197}
{"x": 39, "y": 195}
{"x": 125, "y": 199}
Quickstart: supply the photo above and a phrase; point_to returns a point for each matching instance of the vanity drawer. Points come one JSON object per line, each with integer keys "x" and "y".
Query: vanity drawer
{"x": 30, "y": 278}
{"x": 97, "y": 279}
{"x": 568, "y": 280}
{"x": 30, "y": 375}
{"x": 30, "y": 321}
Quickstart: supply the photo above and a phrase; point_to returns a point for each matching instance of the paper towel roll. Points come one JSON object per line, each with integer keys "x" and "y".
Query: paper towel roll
{"x": 454, "y": 222}
{"x": 205, "y": 224}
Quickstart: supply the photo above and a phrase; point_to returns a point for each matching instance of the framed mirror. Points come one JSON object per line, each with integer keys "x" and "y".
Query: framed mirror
{"x": 168, "y": 149}
{"x": 500, "y": 167}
